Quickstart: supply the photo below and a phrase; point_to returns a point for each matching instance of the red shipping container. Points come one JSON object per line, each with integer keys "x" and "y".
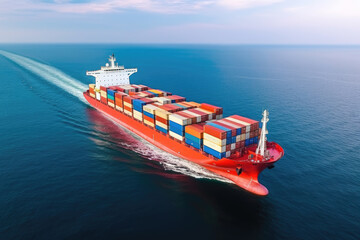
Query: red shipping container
{"x": 128, "y": 108}
{"x": 103, "y": 88}
{"x": 233, "y": 130}
{"x": 228, "y": 147}
{"x": 215, "y": 132}
{"x": 111, "y": 101}
{"x": 243, "y": 127}
{"x": 254, "y": 124}
{"x": 186, "y": 115}
{"x": 128, "y": 99}
{"x": 149, "y": 119}
{"x": 162, "y": 120}
{"x": 103, "y": 100}
{"x": 212, "y": 108}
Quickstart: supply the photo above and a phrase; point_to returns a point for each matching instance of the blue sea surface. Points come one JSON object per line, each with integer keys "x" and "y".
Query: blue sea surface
{"x": 68, "y": 172}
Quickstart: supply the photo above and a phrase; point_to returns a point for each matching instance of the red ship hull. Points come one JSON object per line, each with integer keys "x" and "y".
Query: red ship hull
{"x": 241, "y": 170}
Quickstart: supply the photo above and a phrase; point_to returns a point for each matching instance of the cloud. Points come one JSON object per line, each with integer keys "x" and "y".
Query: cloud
{"x": 242, "y": 4}
{"x": 105, "y": 6}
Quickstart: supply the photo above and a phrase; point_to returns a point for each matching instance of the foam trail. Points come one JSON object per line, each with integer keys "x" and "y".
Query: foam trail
{"x": 50, "y": 74}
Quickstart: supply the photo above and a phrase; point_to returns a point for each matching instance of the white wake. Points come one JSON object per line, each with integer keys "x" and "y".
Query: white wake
{"x": 76, "y": 88}
{"x": 50, "y": 74}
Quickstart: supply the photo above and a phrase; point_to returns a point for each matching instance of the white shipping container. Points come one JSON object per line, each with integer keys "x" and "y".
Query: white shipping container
{"x": 150, "y": 108}
{"x": 241, "y": 122}
{"x": 177, "y": 136}
{"x": 243, "y": 137}
{"x": 197, "y": 116}
{"x": 137, "y": 115}
{"x": 214, "y": 146}
{"x": 228, "y": 154}
{"x": 119, "y": 108}
{"x": 127, "y": 112}
{"x": 148, "y": 123}
{"x": 178, "y": 119}
{"x": 215, "y": 140}
{"x": 162, "y": 113}
{"x": 98, "y": 96}
{"x": 128, "y": 104}
{"x": 160, "y": 124}
{"x": 232, "y": 147}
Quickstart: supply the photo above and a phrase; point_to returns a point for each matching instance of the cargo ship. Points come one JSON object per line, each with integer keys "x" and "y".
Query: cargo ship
{"x": 233, "y": 147}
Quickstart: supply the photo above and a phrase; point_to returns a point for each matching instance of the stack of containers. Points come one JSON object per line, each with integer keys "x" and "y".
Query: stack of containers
{"x": 119, "y": 105}
{"x": 162, "y": 100}
{"x": 185, "y": 105}
{"x": 252, "y": 128}
{"x": 127, "y": 88}
{"x": 177, "y": 123}
{"x": 217, "y": 110}
{"x": 205, "y": 115}
{"x": 149, "y": 114}
{"x": 143, "y": 88}
{"x": 194, "y": 135}
{"x": 240, "y": 135}
{"x": 103, "y": 94}
{"x": 159, "y": 93}
{"x": 176, "y": 98}
{"x": 92, "y": 90}
{"x": 156, "y": 92}
{"x": 128, "y": 107}
{"x": 138, "y": 105}
{"x": 215, "y": 139}
{"x": 111, "y": 97}
{"x": 162, "y": 120}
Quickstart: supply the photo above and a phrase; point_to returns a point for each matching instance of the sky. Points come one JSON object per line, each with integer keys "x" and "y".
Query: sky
{"x": 181, "y": 21}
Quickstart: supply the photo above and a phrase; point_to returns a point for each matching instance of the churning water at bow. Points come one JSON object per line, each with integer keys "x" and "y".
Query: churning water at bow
{"x": 68, "y": 172}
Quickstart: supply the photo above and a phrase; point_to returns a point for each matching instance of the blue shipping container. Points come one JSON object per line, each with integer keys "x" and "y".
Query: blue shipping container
{"x": 213, "y": 152}
{"x": 149, "y": 114}
{"x": 192, "y": 143}
{"x": 176, "y": 125}
{"x": 137, "y": 108}
{"x": 176, "y": 130}
{"x": 161, "y": 129}
{"x": 193, "y": 138}
{"x": 111, "y": 92}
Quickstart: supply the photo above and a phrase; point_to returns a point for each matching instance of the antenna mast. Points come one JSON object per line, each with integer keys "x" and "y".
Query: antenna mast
{"x": 261, "y": 149}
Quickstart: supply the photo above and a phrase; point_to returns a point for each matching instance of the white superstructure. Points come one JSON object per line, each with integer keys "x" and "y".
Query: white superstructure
{"x": 111, "y": 74}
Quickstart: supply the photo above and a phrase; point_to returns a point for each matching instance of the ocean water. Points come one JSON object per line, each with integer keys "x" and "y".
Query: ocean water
{"x": 68, "y": 172}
